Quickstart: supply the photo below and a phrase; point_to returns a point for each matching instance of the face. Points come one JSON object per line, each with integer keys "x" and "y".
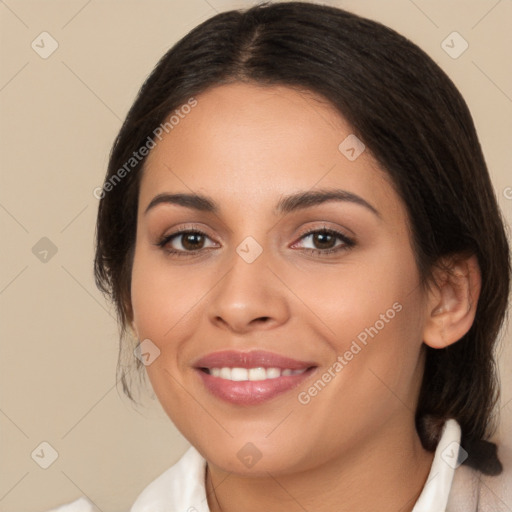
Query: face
{"x": 325, "y": 291}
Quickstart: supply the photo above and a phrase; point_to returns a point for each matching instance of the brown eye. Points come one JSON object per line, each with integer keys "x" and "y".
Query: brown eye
{"x": 323, "y": 240}
{"x": 192, "y": 241}
{"x": 326, "y": 241}
{"x": 184, "y": 242}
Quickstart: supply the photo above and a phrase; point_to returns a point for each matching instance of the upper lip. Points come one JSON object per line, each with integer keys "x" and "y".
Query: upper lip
{"x": 253, "y": 359}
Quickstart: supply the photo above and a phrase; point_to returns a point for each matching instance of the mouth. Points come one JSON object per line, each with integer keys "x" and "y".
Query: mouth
{"x": 252, "y": 374}
{"x": 250, "y": 378}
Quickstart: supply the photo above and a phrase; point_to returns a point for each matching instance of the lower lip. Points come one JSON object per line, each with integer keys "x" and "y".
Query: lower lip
{"x": 249, "y": 392}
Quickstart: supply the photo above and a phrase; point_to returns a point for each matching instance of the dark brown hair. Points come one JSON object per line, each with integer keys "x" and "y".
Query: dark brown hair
{"x": 414, "y": 122}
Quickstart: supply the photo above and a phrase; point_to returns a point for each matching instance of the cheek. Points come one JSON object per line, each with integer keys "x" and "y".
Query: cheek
{"x": 360, "y": 298}
{"x": 383, "y": 345}
{"x": 169, "y": 301}
{"x": 163, "y": 300}
{"x": 163, "y": 296}
{"x": 372, "y": 314}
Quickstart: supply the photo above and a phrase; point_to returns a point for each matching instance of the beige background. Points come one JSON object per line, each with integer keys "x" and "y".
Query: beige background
{"x": 59, "y": 117}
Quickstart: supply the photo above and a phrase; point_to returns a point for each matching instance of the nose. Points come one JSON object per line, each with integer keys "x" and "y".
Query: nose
{"x": 250, "y": 296}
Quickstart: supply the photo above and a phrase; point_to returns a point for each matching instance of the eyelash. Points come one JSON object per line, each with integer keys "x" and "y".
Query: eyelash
{"x": 348, "y": 243}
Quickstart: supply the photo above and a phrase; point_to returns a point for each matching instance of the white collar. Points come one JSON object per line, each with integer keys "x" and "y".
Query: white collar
{"x": 436, "y": 491}
{"x": 182, "y": 488}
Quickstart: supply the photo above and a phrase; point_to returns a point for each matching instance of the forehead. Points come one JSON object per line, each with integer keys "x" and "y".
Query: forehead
{"x": 245, "y": 142}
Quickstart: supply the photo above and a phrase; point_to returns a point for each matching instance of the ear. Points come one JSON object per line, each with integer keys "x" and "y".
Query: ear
{"x": 452, "y": 300}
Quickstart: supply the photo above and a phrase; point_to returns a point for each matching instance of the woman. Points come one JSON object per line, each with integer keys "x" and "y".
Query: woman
{"x": 299, "y": 228}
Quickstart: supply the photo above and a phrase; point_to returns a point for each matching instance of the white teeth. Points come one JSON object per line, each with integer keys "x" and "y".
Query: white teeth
{"x": 225, "y": 373}
{"x": 273, "y": 373}
{"x": 252, "y": 374}
{"x": 238, "y": 374}
{"x": 257, "y": 374}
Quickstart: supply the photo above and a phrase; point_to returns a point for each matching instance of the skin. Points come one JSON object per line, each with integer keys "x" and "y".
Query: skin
{"x": 245, "y": 146}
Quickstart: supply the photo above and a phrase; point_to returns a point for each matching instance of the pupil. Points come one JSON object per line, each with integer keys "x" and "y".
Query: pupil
{"x": 191, "y": 238}
{"x": 323, "y": 239}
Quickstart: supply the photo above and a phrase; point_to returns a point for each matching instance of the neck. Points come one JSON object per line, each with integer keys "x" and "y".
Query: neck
{"x": 386, "y": 474}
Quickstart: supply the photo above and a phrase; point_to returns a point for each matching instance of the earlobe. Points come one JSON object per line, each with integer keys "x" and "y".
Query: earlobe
{"x": 452, "y": 301}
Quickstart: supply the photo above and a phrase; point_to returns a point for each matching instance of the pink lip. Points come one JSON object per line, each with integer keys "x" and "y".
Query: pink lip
{"x": 254, "y": 359}
{"x": 251, "y": 392}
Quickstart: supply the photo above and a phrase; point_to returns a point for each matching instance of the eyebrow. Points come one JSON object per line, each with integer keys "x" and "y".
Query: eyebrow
{"x": 286, "y": 204}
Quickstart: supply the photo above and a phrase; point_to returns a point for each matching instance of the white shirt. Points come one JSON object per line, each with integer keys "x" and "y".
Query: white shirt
{"x": 181, "y": 488}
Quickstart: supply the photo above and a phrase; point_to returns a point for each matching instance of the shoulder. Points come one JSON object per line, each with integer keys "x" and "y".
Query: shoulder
{"x": 473, "y": 491}
{"x": 181, "y": 487}
{"x": 79, "y": 505}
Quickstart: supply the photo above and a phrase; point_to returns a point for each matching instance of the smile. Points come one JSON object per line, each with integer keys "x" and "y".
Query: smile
{"x": 250, "y": 377}
{"x": 252, "y": 374}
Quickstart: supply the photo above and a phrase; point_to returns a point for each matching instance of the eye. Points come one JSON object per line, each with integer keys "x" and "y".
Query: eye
{"x": 189, "y": 242}
{"x": 326, "y": 241}
{"x": 184, "y": 242}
